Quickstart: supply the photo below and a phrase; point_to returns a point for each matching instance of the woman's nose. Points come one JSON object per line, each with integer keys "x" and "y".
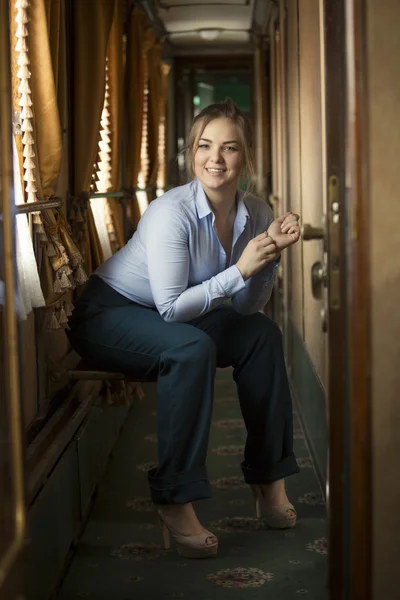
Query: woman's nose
{"x": 216, "y": 156}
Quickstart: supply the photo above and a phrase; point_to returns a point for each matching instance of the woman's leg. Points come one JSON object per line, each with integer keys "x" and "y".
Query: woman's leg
{"x": 253, "y": 346}
{"x": 120, "y": 335}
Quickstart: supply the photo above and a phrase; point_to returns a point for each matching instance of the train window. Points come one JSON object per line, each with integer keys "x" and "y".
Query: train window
{"x": 216, "y": 86}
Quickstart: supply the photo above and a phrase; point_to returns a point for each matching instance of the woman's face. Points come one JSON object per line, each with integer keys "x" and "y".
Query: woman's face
{"x": 218, "y": 159}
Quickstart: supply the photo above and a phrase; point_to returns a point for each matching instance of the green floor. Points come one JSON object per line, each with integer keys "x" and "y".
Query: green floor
{"x": 120, "y": 558}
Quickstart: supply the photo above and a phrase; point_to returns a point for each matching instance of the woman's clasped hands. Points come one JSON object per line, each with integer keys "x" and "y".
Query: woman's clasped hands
{"x": 266, "y": 247}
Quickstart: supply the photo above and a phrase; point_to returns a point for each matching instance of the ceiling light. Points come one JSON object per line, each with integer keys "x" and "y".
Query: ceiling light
{"x": 209, "y": 34}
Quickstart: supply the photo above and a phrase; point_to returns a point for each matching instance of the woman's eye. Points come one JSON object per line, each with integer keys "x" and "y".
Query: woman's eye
{"x": 203, "y": 145}
{"x": 230, "y": 148}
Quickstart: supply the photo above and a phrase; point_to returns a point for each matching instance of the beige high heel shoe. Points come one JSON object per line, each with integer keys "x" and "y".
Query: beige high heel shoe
{"x": 188, "y": 546}
{"x": 277, "y": 517}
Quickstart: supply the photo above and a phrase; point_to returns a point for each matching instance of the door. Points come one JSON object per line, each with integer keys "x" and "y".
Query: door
{"x": 299, "y": 184}
{"x": 308, "y": 124}
{"x": 12, "y": 506}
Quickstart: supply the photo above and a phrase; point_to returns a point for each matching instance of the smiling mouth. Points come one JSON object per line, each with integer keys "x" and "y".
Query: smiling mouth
{"x": 215, "y": 171}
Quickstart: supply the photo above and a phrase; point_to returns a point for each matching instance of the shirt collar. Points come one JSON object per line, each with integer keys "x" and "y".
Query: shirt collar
{"x": 203, "y": 208}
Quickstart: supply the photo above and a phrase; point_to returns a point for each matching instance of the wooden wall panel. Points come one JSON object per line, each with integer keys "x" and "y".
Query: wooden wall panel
{"x": 294, "y": 165}
{"x": 312, "y": 172}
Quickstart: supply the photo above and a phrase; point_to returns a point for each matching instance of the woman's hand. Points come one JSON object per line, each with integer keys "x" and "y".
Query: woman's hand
{"x": 285, "y": 230}
{"x": 260, "y": 251}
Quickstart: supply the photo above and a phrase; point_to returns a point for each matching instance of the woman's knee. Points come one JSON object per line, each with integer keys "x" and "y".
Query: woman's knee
{"x": 266, "y": 328}
{"x": 196, "y": 347}
{"x": 202, "y": 346}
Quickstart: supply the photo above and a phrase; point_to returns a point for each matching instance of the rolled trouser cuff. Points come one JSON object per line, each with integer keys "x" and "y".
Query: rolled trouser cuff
{"x": 179, "y": 488}
{"x": 268, "y": 474}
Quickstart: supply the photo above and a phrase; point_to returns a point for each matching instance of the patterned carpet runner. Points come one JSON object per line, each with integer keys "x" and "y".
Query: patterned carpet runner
{"x": 120, "y": 556}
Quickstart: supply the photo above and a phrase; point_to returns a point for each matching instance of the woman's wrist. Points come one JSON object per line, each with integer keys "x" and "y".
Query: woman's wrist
{"x": 242, "y": 271}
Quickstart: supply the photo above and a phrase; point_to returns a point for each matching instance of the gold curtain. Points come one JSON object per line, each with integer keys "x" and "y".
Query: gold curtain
{"x": 48, "y": 139}
{"x": 136, "y": 83}
{"x": 60, "y": 262}
{"x": 54, "y": 25}
{"x": 92, "y": 24}
{"x": 37, "y": 70}
{"x": 116, "y": 99}
{"x": 154, "y": 111}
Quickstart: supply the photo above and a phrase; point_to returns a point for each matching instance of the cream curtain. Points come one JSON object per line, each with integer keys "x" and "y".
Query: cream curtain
{"x": 30, "y": 291}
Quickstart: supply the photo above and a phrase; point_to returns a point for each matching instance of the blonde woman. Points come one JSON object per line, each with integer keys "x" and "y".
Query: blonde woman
{"x": 183, "y": 297}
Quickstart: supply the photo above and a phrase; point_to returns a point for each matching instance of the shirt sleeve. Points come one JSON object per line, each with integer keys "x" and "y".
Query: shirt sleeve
{"x": 168, "y": 260}
{"x": 258, "y": 289}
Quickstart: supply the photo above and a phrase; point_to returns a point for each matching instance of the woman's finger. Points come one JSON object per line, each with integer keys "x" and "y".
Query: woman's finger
{"x": 270, "y": 249}
{"x": 288, "y": 222}
{"x": 261, "y": 237}
{"x": 294, "y": 229}
{"x": 266, "y": 241}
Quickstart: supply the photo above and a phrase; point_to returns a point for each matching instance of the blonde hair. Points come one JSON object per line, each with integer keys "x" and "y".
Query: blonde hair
{"x": 224, "y": 110}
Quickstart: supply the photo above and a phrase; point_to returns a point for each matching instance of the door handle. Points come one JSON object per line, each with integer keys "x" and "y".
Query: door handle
{"x": 309, "y": 232}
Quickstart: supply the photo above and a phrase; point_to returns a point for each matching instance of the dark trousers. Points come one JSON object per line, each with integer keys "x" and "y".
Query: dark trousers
{"x": 118, "y": 334}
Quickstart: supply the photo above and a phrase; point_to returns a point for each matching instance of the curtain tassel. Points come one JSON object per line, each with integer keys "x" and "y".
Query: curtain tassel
{"x": 22, "y": 4}
{"x": 80, "y": 275}
{"x": 63, "y": 319}
{"x": 54, "y": 323}
{"x": 75, "y": 259}
{"x": 65, "y": 282}
{"x": 57, "y": 288}
{"x": 79, "y": 218}
{"x": 50, "y": 250}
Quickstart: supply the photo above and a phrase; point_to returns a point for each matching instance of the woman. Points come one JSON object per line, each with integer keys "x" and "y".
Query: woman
{"x": 183, "y": 297}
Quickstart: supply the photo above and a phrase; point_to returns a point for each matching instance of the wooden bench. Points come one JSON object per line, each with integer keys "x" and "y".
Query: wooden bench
{"x": 119, "y": 386}
{"x": 90, "y": 371}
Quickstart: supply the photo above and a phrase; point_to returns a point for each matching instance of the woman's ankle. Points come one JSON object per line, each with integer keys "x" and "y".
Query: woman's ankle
{"x": 182, "y": 518}
{"x": 275, "y": 493}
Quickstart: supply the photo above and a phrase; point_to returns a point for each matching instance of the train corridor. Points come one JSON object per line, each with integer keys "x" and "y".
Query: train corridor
{"x": 120, "y": 555}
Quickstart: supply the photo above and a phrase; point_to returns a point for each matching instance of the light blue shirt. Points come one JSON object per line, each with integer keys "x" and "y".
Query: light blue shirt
{"x": 176, "y": 263}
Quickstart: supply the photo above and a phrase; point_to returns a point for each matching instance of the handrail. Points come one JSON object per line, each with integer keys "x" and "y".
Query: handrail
{"x": 23, "y": 209}
{"x": 122, "y": 193}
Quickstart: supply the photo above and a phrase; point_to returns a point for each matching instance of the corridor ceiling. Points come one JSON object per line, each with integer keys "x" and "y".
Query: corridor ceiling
{"x": 209, "y": 26}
